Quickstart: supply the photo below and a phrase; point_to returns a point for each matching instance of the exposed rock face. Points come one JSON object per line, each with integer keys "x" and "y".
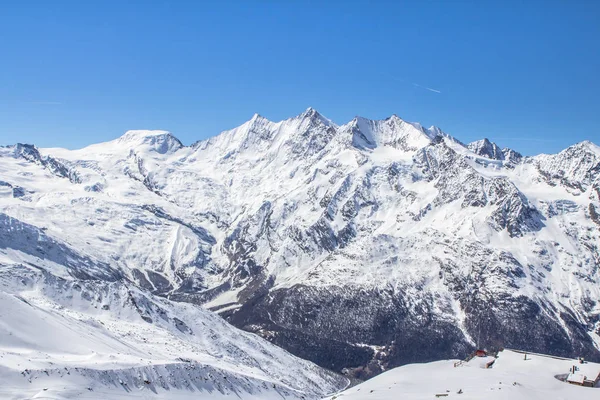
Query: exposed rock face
{"x": 575, "y": 168}
{"x": 30, "y": 153}
{"x": 485, "y": 148}
{"x": 73, "y": 325}
{"x": 360, "y": 247}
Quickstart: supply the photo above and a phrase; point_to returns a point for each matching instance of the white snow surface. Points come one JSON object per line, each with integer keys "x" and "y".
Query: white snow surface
{"x": 146, "y": 209}
{"x": 64, "y": 338}
{"x": 510, "y": 377}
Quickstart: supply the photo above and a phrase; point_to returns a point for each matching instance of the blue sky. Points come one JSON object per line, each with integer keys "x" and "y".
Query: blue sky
{"x": 522, "y": 73}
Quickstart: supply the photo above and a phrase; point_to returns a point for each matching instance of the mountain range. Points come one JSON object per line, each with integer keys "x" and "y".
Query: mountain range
{"x": 359, "y": 247}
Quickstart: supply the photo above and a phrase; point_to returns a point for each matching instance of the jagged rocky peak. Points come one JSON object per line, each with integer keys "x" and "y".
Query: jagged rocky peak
{"x": 585, "y": 149}
{"x": 485, "y": 148}
{"x": 489, "y": 149}
{"x": 305, "y": 134}
{"x": 576, "y": 167}
{"x": 586, "y": 144}
{"x": 30, "y": 153}
{"x": 256, "y": 135}
{"x": 313, "y": 115}
{"x": 256, "y": 120}
{"x": 512, "y": 156}
{"x": 256, "y": 128}
{"x": 27, "y": 151}
{"x": 307, "y": 124}
{"x": 253, "y": 132}
{"x": 392, "y": 131}
{"x": 309, "y": 119}
{"x": 434, "y": 132}
{"x": 162, "y": 142}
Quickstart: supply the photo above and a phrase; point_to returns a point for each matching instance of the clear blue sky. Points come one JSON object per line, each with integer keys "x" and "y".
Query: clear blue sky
{"x": 526, "y": 74}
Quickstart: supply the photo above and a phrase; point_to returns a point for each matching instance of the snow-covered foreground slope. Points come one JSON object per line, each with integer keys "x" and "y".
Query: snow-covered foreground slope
{"x": 511, "y": 377}
{"x": 65, "y": 338}
{"x": 360, "y": 246}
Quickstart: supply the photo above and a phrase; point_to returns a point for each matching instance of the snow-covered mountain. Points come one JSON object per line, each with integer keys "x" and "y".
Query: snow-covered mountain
{"x": 360, "y": 246}
{"x": 70, "y": 338}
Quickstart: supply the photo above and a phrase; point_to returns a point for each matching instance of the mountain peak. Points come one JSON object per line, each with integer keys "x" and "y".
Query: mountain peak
{"x": 589, "y": 145}
{"x": 314, "y": 116}
{"x": 392, "y": 131}
{"x": 310, "y": 110}
{"x": 134, "y": 134}
{"x": 309, "y": 113}
{"x": 486, "y": 148}
{"x": 511, "y": 155}
{"x": 257, "y": 122}
{"x": 585, "y": 146}
{"x": 156, "y": 140}
{"x": 481, "y": 143}
{"x": 26, "y": 151}
{"x": 257, "y": 117}
{"x": 434, "y": 131}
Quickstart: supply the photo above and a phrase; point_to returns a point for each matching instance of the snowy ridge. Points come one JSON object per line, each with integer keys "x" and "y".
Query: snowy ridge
{"x": 353, "y": 246}
{"x": 112, "y": 338}
{"x": 161, "y": 142}
{"x": 487, "y": 149}
{"x": 392, "y": 132}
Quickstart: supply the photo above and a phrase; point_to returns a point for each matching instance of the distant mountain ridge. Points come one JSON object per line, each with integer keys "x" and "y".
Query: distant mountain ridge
{"x": 360, "y": 246}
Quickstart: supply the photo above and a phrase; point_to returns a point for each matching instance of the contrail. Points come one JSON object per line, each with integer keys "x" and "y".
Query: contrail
{"x": 414, "y": 84}
{"x": 427, "y": 88}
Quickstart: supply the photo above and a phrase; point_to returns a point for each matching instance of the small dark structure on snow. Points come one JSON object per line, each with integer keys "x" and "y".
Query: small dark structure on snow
{"x": 481, "y": 353}
{"x": 584, "y": 375}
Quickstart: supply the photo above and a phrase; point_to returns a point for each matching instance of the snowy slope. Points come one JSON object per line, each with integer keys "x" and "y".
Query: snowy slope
{"x": 65, "y": 338}
{"x": 351, "y": 245}
{"x": 510, "y": 377}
